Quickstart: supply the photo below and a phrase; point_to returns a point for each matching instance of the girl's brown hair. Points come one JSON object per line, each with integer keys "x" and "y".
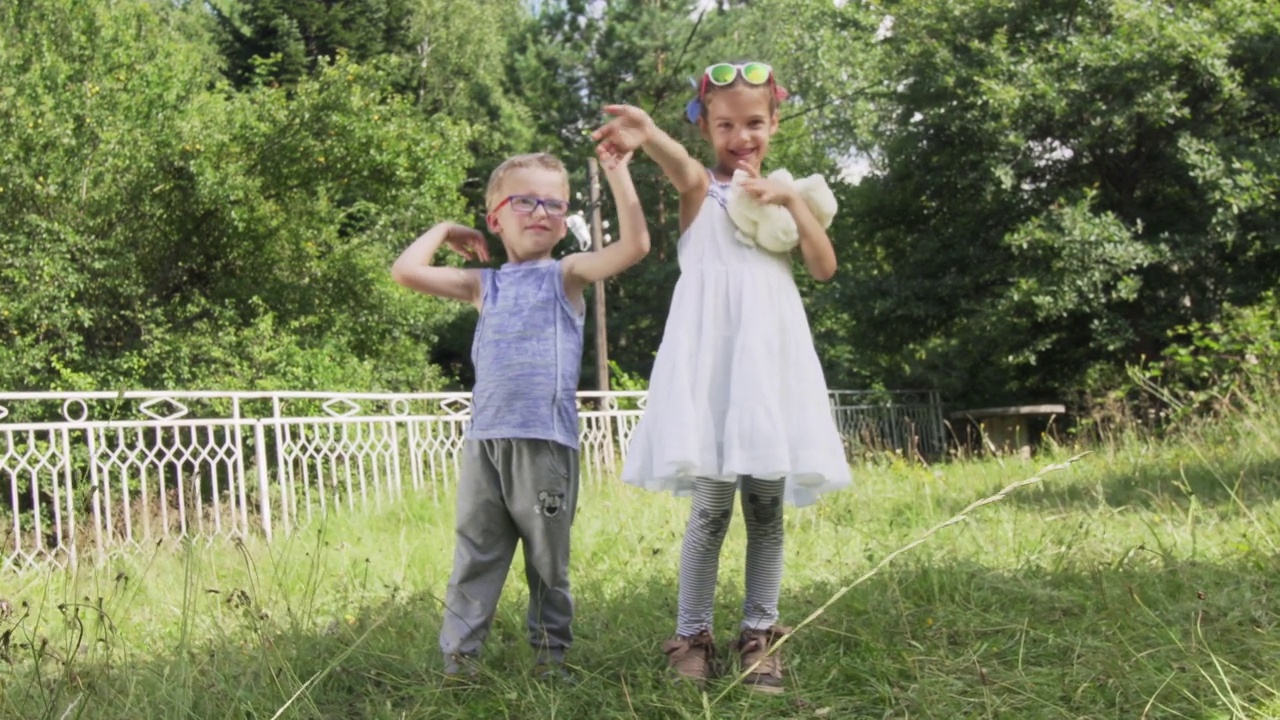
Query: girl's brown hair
{"x": 775, "y": 91}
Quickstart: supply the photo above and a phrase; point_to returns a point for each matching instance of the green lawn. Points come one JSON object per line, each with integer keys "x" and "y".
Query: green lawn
{"x": 1136, "y": 583}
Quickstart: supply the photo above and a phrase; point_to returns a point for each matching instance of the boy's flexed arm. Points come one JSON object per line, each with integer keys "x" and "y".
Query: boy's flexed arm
{"x": 582, "y": 269}
{"x": 413, "y": 269}
{"x": 632, "y": 129}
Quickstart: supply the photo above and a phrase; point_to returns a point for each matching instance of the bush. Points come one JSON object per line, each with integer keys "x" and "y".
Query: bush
{"x": 160, "y": 229}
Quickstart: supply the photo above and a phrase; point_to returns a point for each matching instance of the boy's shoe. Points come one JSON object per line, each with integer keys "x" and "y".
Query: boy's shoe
{"x": 691, "y": 657}
{"x": 753, "y": 647}
{"x": 461, "y": 669}
{"x": 554, "y": 671}
{"x": 549, "y": 665}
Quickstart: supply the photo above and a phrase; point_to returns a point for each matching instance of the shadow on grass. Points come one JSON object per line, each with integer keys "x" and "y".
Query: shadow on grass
{"x": 377, "y": 660}
{"x": 1140, "y": 638}
{"x": 1159, "y": 483}
{"x": 1136, "y": 638}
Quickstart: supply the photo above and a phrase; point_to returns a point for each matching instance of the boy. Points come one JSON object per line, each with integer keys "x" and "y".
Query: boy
{"x": 519, "y": 477}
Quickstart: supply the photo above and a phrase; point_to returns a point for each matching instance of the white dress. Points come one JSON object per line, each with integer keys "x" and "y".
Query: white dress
{"x": 736, "y": 387}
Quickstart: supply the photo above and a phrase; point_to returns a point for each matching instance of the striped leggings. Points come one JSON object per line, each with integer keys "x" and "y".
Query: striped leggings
{"x": 700, "y": 552}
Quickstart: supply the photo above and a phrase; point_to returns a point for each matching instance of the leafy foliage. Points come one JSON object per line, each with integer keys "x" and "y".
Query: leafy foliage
{"x": 575, "y": 57}
{"x": 1046, "y": 194}
{"x": 161, "y": 230}
{"x": 294, "y": 37}
{"x": 1057, "y": 185}
{"x": 1216, "y": 366}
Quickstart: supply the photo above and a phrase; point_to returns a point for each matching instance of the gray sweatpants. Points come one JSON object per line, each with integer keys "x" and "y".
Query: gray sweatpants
{"x": 509, "y": 491}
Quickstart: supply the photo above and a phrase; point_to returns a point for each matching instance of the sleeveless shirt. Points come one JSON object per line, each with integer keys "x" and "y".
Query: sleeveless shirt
{"x": 527, "y": 353}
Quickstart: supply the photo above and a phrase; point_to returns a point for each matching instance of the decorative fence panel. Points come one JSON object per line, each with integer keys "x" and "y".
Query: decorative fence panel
{"x": 97, "y": 471}
{"x": 906, "y": 421}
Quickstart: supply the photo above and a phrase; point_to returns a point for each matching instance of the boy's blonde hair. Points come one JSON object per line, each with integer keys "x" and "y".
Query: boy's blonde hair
{"x": 545, "y": 161}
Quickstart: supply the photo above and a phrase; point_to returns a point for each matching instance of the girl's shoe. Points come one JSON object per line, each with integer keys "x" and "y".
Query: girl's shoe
{"x": 691, "y": 657}
{"x": 753, "y": 647}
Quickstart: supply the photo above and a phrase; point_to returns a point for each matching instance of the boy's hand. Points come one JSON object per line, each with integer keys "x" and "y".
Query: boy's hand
{"x": 581, "y": 269}
{"x": 630, "y": 128}
{"x": 467, "y": 242}
{"x": 414, "y": 269}
{"x": 767, "y": 191}
{"x": 611, "y": 161}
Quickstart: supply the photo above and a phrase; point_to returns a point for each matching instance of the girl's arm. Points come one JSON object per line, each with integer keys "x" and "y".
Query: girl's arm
{"x": 632, "y": 129}
{"x": 815, "y": 246}
{"x": 583, "y": 269}
{"x": 413, "y": 269}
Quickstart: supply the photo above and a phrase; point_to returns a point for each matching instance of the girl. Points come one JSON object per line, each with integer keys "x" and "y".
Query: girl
{"x": 736, "y": 398}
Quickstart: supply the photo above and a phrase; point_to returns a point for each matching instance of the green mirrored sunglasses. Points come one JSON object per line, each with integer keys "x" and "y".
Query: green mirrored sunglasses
{"x": 755, "y": 73}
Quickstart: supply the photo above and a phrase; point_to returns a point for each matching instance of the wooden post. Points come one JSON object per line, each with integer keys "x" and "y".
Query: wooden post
{"x": 602, "y": 333}
{"x": 597, "y": 242}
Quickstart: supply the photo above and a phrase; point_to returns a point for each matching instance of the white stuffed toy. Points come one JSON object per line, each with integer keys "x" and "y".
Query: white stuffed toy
{"x": 771, "y": 227}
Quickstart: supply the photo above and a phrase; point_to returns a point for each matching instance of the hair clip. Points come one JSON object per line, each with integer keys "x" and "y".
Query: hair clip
{"x": 693, "y": 110}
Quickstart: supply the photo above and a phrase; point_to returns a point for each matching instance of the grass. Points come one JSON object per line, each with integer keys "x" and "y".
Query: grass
{"x": 1137, "y": 583}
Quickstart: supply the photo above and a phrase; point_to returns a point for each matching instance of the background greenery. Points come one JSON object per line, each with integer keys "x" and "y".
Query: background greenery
{"x": 1057, "y": 200}
{"x": 1071, "y": 200}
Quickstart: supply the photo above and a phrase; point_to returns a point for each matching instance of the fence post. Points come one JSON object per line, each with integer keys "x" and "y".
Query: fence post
{"x": 95, "y": 489}
{"x": 264, "y": 494}
{"x": 288, "y": 505}
{"x": 935, "y": 403}
{"x": 243, "y": 481}
{"x": 67, "y": 526}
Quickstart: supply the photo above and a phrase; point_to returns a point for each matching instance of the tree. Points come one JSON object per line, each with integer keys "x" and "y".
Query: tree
{"x": 640, "y": 52}
{"x": 289, "y": 39}
{"x": 161, "y": 230}
{"x": 1055, "y": 185}
{"x": 447, "y": 56}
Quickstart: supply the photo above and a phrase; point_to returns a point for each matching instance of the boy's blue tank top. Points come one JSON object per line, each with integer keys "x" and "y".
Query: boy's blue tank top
{"x": 527, "y": 353}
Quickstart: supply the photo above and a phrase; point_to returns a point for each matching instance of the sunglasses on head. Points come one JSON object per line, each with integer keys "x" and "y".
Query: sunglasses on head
{"x": 526, "y": 204}
{"x": 721, "y": 74}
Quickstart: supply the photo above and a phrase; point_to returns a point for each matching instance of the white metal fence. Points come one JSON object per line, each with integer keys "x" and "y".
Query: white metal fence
{"x": 91, "y": 472}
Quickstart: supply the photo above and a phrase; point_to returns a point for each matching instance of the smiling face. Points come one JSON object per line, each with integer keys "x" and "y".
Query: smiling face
{"x": 738, "y": 121}
{"x": 528, "y": 235}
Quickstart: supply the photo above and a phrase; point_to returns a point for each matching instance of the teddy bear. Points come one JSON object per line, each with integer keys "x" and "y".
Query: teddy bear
{"x": 771, "y": 227}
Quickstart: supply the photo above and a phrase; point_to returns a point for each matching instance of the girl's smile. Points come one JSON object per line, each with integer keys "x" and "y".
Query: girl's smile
{"x": 739, "y": 124}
